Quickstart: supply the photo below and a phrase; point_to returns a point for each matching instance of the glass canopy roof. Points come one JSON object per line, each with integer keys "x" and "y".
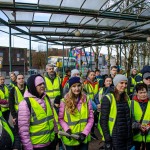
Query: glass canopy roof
{"x": 78, "y": 22}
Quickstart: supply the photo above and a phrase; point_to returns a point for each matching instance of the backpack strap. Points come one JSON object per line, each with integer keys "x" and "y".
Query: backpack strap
{"x": 28, "y": 103}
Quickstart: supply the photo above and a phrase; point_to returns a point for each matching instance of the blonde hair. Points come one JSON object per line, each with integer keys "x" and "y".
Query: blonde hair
{"x": 71, "y": 101}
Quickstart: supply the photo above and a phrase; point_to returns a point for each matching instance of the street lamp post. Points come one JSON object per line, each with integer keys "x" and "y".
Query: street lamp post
{"x": 24, "y": 66}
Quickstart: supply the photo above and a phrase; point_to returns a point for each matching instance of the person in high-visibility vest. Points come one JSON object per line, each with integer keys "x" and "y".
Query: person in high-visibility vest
{"x": 113, "y": 71}
{"x": 13, "y": 78}
{"x": 76, "y": 116}
{"x": 35, "y": 117}
{"x": 115, "y": 120}
{"x": 140, "y": 110}
{"x": 91, "y": 88}
{"x": 6, "y": 135}
{"x": 52, "y": 82}
{"x": 107, "y": 88}
{"x": 15, "y": 97}
{"x": 99, "y": 77}
{"x": 4, "y": 95}
{"x": 146, "y": 80}
{"x": 66, "y": 77}
{"x": 74, "y": 73}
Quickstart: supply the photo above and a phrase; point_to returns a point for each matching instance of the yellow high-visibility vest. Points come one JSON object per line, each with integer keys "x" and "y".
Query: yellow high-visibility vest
{"x": 18, "y": 97}
{"x": 41, "y": 123}
{"x": 53, "y": 89}
{"x": 91, "y": 92}
{"x": 137, "y": 114}
{"x": 6, "y": 127}
{"x": 76, "y": 122}
{"x": 112, "y": 115}
{"x": 4, "y": 95}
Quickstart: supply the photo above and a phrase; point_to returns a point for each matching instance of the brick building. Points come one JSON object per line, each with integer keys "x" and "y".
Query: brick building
{"x": 18, "y": 57}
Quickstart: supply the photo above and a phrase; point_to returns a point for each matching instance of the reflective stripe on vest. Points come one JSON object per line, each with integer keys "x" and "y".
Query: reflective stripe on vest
{"x": 41, "y": 123}
{"x": 77, "y": 123}
{"x": 53, "y": 90}
{"x": 18, "y": 97}
{"x": 100, "y": 94}
{"x": 4, "y": 95}
{"x": 137, "y": 114}
{"x": 91, "y": 91}
{"x": 4, "y": 125}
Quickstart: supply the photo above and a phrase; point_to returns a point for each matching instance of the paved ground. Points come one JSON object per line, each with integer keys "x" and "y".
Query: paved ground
{"x": 95, "y": 144}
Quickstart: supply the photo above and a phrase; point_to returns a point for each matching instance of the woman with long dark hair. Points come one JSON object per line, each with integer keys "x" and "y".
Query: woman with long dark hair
{"x": 115, "y": 118}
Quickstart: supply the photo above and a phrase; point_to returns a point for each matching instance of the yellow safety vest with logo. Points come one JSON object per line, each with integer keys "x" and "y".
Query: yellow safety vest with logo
{"x": 4, "y": 125}
{"x": 112, "y": 115}
{"x": 53, "y": 89}
{"x": 77, "y": 123}
{"x": 18, "y": 97}
{"x": 91, "y": 92}
{"x": 137, "y": 114}
{"x": 41, "y": 123}
{"x": 4, "y": 95}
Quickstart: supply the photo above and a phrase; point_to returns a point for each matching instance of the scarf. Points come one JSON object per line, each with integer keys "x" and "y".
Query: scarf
{"x": 141, "y": 101}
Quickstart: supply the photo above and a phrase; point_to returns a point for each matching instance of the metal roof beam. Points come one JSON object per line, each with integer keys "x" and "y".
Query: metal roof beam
{"x": 66, "y": 34}
{"x": 22, "y": 31}
{"x": 69, "y": 40}
{"x": 69, "y": 11}
{"x": 124, "y": 30}
{"x": 68, "y": 25}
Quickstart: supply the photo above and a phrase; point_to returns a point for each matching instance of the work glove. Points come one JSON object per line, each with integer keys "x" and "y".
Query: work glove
{"x": 69, "y": 132}
{"x": 81, "y": 137}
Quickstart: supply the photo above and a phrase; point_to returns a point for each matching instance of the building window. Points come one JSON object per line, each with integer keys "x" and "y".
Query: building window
{"x": 18, "y": 57}
{"x": 1, "y": 54}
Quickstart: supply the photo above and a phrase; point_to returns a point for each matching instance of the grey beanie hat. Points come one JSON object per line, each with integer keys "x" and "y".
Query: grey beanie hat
{"x": 74, "y": 71}
{"x": 118, "y": 78}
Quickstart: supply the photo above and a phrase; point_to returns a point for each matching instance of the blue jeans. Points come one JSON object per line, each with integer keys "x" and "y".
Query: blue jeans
{"x": 82, "y": 146}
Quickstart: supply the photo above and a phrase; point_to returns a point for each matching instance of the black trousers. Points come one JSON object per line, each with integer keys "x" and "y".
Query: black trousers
{"x": 17, "y": 141}
{"x": 141, "y": 146}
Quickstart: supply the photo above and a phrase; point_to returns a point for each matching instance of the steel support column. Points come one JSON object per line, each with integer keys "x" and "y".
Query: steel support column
{"x": 120, "y": 55}
{"x": 10, "y": 51}
{"x": 63, "y": 60}
{"x": 46, "y": 53}
{"x": 30, "y": 55}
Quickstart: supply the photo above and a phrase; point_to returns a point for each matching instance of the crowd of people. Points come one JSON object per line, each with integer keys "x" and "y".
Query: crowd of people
{"x": 47, "y": 112}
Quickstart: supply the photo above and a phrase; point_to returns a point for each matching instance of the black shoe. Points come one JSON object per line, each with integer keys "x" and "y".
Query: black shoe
{"x": 93, "y": 136}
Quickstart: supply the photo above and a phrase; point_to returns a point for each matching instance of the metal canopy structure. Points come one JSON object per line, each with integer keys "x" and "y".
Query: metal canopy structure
{"x": 98, "y": 22}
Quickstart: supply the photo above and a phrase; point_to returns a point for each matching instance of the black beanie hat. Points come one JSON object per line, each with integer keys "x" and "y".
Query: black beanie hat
{"x": 74, "y": 80}
{"x": 31, "y": 85}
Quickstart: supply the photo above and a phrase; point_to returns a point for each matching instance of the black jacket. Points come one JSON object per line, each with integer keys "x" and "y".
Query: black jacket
{"x": 121, "y": 138}
{"x": 12, "y": 101}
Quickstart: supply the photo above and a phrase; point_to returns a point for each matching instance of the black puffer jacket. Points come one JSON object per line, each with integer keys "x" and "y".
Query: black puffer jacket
{"x": 121, "y": 138}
